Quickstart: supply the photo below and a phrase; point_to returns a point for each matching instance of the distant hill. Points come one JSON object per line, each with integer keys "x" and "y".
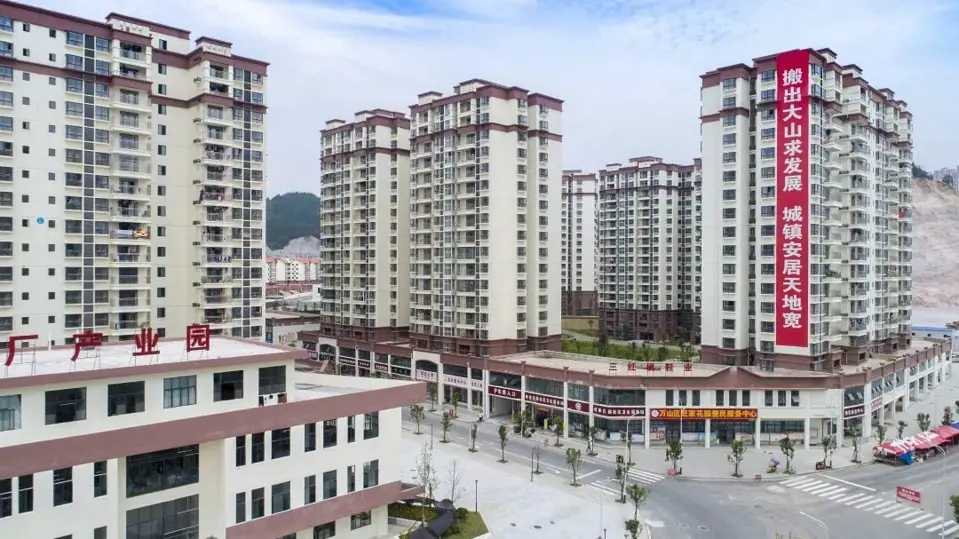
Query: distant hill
{"x": 290, "y": 216}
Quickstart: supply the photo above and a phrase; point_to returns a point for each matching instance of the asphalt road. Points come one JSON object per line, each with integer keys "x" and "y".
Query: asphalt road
{"x": 676, "y": 508}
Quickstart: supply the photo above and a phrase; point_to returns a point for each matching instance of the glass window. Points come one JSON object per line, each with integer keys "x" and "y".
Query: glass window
{"x": 350, "y": 429}
{"x": 329, "y": 433}
{"x": 258, "y": 503}
{"x": 6, "y": 497}
{"x": 768, "y": 398}
{"x": 781, "y": 398}
{"x": 25, "y": 494}
{"x": 125, "y": 398}
{"x": 175, "y": 519}
{"x": 272, "y": 380}
{"x": 351, "y": 479}
{"x": 371, "y": 425}
{"x": 360, "y": 520}
{"x": 746, "y": 394}
{"x": 309, "y": 437}
{"x": 325, "y": 531}
{"x": 240, "y": 450}
{"x": 371, "y": 473}
{"x": 66, "y": 405}
{"x": 240, "y": 507}
{"x": 719, "y": 397}
{"x": 280, "y": 497}
{"x": 161, "y": 470}
{"x": 62, "y": 486}
{"x": 9, "y": 412}
{"x": 309, "y": 489}
{"x": 258, "y": 451}
{"x": 179, "y": 391}
{"x": 280, "y": 443}
{"x": 227, "y": 386}
{"x": 329, "y": 484}
{"x": 99, "y": 479}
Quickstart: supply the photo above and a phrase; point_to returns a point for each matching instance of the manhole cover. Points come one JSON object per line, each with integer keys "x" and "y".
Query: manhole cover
{"x": 537, "y": 527}
{"x": 513, "y": 524}
{"x": 683, "y": 525}
{"x": 704, "y": 528}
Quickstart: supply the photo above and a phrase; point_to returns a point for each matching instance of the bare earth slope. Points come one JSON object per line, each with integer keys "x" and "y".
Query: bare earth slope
{"x": 935, "y": 245}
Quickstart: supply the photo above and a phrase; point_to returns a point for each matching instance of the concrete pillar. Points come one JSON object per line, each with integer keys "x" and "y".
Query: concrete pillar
{"x": 806, "y": 433}
{"x": 486, "y": 407}
{"x": 867, "y": 413}
{"x": 469, "y": 388}
{"x": 592, "y": 419}
{"x": 565, "y": 409}
{"x": 646, "y": 435}
{"x": 759, "y": 423}
{"x": 708, "y": 434}
{"x": 440, "y": 387}
{"x": 840, "y": 435}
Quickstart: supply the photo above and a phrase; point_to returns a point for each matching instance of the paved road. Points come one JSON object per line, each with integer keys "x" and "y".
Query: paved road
{"x": 676, "y": 509}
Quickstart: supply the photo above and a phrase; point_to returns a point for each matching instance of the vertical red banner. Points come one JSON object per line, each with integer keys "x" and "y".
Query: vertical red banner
{"x": 792, "y": 199}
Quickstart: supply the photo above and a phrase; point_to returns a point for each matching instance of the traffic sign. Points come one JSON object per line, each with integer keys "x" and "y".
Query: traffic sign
{"x": 908, "y": 494}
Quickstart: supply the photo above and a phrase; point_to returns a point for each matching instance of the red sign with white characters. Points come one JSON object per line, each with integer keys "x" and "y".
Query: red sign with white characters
{"x": 546, "y": 400}
{"x": 908, "y": 494}
{"x": 638, "y": 412}
{"x": 578, "y": 406}
{"x": 505, "y": 392}
{"x": 792, "y": 199}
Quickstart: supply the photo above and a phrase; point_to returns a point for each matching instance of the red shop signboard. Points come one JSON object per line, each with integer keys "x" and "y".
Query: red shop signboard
{"x": 505, "y": 392}
{"x": 624, "y": 412}
{"x": 792, "y": 199}
{"x": 545, "y": 400}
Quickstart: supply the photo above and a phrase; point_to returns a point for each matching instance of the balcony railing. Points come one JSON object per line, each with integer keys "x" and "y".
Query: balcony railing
{"x": 215, "y": 238}
{"x": 126, "y": 324}
{"x": 129, "y": 279}
{"x": 138, "y": 75}
{"x": 215, "y": 217}
{"x": 216, "y": 279}
{"x": 216, "y": 319}
{"x": 129, "y": 190}
{"x": 219, "y": 259}
{"x": 130, "y": 99}
{"x": 133, "y": 55}
{"x": 131, "y": 258}
{"x": 213, "y": 177}
{"x": 215, "y": 299}
{"x": 129, "y": 302}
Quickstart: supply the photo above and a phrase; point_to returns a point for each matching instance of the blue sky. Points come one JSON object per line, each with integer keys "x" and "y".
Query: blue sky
{"x": 627, "y": 69}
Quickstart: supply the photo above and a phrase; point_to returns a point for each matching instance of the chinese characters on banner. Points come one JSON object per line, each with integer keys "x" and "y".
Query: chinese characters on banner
{"x": 792, "y": 199}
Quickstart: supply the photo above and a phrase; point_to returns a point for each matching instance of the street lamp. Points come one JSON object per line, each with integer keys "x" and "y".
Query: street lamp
{"x": 476, "y": 496}
{"x": 817, "y": 521}
{"x": 942, "y": 531}
{"x": 629, "y": 438}
{"x": 431, "y": 436}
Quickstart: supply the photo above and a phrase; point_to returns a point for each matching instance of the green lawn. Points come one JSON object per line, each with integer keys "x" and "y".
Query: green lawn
{"x": 401, "y": 510}
{"x": 468, "y": 528}
{"x": 618, "y": 351}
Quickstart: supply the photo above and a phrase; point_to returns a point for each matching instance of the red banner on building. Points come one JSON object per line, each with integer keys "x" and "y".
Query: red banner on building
{"x": 792, "y": 199}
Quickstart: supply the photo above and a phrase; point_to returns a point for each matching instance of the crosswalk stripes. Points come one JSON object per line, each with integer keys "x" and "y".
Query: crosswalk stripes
{"x": 611, "y": 485}
{"x": 641, "y": 476}
{"x": 875, "y": 503}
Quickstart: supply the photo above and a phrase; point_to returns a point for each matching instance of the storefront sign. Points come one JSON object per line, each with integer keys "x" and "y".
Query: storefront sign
{"x": 792, "y": 199}
{"x": 624, "y": 412}
{"x": 908, "y": 494}
{"x": 381, "y": 367}
{"x": 578, "y": 406}
{"x": 454, "y": 380}
{"x": 343, "y": 360}
{"x": 476, "y": 385}
{"x": 426, "y": 376}
{"x": 704, "y": 413}
{"x": 547, "y": 400}
{"x": 875, "y": 404}
{"x": 364, "y": 363}
{"x": 853, "y": 411}
{"x": 505, "y": 392}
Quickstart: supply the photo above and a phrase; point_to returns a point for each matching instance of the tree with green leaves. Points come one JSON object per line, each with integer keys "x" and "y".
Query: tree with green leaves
{"x": 737, "y": 450}
{"x": 472, "y": 448}
{"x": 574, "y": 459}
{"x": 417, "y": 414}
{"x": 622, "y": 475}
{"x": 646, "y": 353}
{"x": 447, "y": 423}
{"x": 559, "y": 428}
{"x": 591, "y": 434}
{"x": 788, "y": 448}
{"x": 674, "y": 451}
{"x": 954, "y": 502}
{"x": 633, "y": 528}
{"x": 602, "y": 344}
{"x": 881, "y": 432}
{"x": 922, "y": 420}
{"x": 855, "y": 450}
{"x": 432, "y": 396}
{"x": 637, "y": 495}
{"x": 947, "y": 416}
{"x": 900, "y": 427}
{"x": 455, "y": 401}
{"x": 828, "y": 448}
{"x": 503, "y": 437}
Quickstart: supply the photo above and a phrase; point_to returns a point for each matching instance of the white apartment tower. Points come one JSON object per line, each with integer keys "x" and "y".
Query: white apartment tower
{"x": 807, "y": 234}
{"x": 136, "y": 160}
{"x": 485, "y": 220}
{"x": 579, "y": 243}
{"x": 646, "y": 240}
{"x": 364, "y": 227}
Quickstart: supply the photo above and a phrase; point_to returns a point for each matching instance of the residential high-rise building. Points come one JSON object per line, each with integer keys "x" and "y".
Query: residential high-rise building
{"x": 364, "y": 227}
{"x": 806, "y": 225}
{"x": 135, "y": 159}
{"x": 646, "y": 233}
{"x": 485, "y": 218}
{"x": 579, "y": 243}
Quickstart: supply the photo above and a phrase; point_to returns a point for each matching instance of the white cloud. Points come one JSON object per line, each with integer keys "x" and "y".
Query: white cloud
{"x": 628, "y": 69}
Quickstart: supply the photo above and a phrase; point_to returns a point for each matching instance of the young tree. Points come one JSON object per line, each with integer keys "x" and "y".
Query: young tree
{"x": 788, "y": 449}
{"x": 426, "y": 475}
{"x": 472, "y": 448}
{"x": 590, "y": 323}
{"x": 662, "y": 353}
{"x": 622, "y": 474}
{"x": 417, "y": 414}
{"x": 602, "y": 344}
{"x": 578, "y": 346}
{"x": 454, "y": 479}
{"x": 645, "y": 353}
{"x": 455, "y": 401}
{"x": 432, "y": 396}
{"x": 503, "y": 436}
{"x": 855, "y": 450}
{"x": 447, "y": 424}
{"x": 674, "y": 452}
{"x": 828, "y": 448}
{"x": 737, "y": 449}
{"x": 591, "y": 433}
{"x": 637, "y": 495}
{"x": 525, "y": 420}
{"x": 954, "y": 502}
{"x": 574, "y": 459}
{"x": 536, "y": 459}
{"x": 633, "y": 528}
{"x": 922, "y": 420}
{"x": 947, "y": 416}
{"x": 560, "y": 429}
{"x": 901, "y": 426}
{"x": 957, "y": 407}
{"x": 881, "y": 432}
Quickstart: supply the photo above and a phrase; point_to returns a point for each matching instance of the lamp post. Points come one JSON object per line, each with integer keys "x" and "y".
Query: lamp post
{"x": 629, "y": 438}
{"x": 431, "y": 436}
{"x": 942, "y": 530}
{"x": 476, "y": 496}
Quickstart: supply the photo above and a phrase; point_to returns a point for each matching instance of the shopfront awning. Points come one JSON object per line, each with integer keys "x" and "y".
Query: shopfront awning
{"x": 946, "y": 431}
{"x": 925, "y": 440}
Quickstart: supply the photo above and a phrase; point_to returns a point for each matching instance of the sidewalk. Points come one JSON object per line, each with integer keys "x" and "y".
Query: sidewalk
{"x": 930, "y": 403}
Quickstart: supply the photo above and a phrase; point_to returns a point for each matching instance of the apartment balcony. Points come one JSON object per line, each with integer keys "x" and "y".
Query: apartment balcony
{"x": 220, "y": 179}
{"x": 214, "y": 299}
{"x": 128, "y": 325}
{"x": 213, "y": 197}
{"x": 215, "y": 116}
{"x": 130, "y": 214}
{"x": 211, "y": 218}
{"x": 217, "y": 260}
{"x": 130, "y": 304}
{"x": 222, "y": 158}
{"x": 133, "y": 56}
{"x": 133, "y": 70}
{"x": 128, "y": 168}
{"x": 139, "y": 281}
{"x": 133, "y": 102}
{"x": 212, "y": 281}
{"x": 127, "y": 191}
{"x": 217, "y": 319}
{"x": 134, "y": 148}
{"x": 137, "y": 236}
{"x": 137, "y": 125}
{"x": 214, "y": 238}
{"x": 128, "y": 258}
{"x": 214, "y": 135}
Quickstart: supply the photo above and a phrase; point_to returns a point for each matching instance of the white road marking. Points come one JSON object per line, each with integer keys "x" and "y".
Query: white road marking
{"x": 655, "y": 523}
{"x": 796, "y": 481}
{"x": 939, "y": 526}
{"x": 645, "y": 477}
{"x": 929, "y": 523}
{"x": 849, "y": 499}
{"x": 850, "y": 483}
{"x": 838, "y": 494}
{"x": 923, "y": 516}
{"x": 910, "y": 514}
{"x": 868, "y": 506}
{"x": 807, "y": 488}
{"x": 952, "y": 529}
{"x": 829, "y": 491}
{"x": 892, "y": 510}
{"x": 862, "y": 502}
{"x": 820, "y": 488}
{"x": 881, "y": 505}
{"x": 589, "y": 474}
